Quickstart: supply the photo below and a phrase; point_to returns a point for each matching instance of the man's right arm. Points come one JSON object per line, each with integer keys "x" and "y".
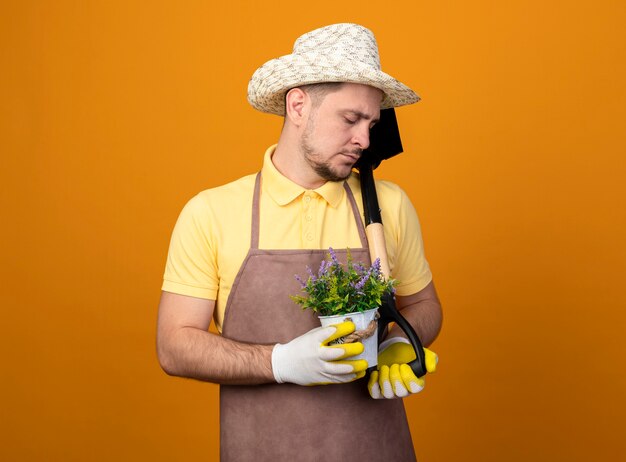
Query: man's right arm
{"x": 186, "y": 349}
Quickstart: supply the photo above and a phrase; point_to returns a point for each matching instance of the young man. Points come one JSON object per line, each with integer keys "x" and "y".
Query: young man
{"x": 236, "y": 248}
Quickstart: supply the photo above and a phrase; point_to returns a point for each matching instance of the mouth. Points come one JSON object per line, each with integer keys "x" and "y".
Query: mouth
{"x": 354, "y": 157}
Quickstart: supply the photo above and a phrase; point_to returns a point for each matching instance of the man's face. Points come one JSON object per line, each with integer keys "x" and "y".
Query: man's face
{"x": 337, "y": 131}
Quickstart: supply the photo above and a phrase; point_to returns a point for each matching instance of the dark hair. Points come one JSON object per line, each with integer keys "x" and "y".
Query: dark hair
{"x": 317, "y": 91}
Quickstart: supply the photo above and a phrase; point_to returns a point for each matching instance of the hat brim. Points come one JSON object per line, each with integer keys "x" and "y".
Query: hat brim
{"x": 270, "y": 82}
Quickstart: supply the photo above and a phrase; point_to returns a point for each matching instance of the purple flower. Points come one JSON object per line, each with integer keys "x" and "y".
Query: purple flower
{"x": 312, "y": 276}
{"x": 323, "y": 268}
{"x": 333, "y": 256}
{"x": 376, "y": 267}
{"x": 302, "y": 283}
{"x": 361, "y": 283}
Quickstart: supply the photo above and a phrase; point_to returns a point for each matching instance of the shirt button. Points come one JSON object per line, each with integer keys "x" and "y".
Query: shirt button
{"x": 307, "y": 199}
{"x": 308, "y": 218}
{"x": 309, "y": 237}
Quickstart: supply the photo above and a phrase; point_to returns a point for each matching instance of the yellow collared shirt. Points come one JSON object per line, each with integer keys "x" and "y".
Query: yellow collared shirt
{"x": 212, "y": 235}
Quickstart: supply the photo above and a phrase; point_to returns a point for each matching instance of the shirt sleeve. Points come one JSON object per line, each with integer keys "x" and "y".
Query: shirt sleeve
{"x": 191, "y": 267}
{"x": 410, "y": 267}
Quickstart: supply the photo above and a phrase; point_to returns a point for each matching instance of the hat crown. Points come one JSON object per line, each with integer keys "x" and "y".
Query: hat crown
{"x": 340, "y": 40}
{"x": 342, "y": 52}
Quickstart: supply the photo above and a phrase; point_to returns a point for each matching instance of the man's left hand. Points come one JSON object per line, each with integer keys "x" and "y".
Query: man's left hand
{"x": 394, "y": 377}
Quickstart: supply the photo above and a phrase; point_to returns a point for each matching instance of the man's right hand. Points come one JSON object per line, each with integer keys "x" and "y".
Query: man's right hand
{"x": 309, "y": 360}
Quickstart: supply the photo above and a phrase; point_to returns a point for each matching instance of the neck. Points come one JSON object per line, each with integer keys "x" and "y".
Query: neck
{"x": 289, "y": 161}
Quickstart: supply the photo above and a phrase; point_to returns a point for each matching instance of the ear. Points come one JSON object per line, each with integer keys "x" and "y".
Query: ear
{"x": 295, "y": 105}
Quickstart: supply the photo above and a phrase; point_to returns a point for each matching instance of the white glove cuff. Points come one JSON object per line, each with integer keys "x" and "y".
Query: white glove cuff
{"x": 278, "y": 360}
{"x": 390, "y": 341}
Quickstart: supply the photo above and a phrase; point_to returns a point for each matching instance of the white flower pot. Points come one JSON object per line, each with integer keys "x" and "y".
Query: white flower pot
{"x": 361, "y": 321}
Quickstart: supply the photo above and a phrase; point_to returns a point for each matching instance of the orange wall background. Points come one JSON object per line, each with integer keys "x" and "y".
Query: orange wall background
{"x": 115, "y": 113}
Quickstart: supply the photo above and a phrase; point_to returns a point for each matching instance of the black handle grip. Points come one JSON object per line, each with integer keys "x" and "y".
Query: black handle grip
{"x": 389, "y": 313}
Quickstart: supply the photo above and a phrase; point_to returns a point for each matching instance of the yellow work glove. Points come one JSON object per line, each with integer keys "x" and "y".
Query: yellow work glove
{"x": 394, "y": 377}
{"x": 309, "y": 360}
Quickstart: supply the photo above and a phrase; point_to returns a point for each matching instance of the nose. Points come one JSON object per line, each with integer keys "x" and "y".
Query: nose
{"x": 361, "y": 136}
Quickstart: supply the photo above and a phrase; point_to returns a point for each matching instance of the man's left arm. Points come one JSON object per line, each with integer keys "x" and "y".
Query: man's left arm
{"x": 423, "y": 311}
{"x": 418, "y": 302}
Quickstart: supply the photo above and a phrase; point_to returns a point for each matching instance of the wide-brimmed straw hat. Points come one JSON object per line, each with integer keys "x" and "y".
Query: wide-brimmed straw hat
{"x": 336, "y": 53}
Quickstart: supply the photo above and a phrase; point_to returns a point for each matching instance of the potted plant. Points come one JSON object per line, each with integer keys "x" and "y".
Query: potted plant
{"x": 337, "y": 293}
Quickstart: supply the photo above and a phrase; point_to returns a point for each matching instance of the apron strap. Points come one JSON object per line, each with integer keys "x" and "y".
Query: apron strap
{"x": 254, "y": 230}
{"x": 357, "y": 216}
{"x": 254, "y": 234}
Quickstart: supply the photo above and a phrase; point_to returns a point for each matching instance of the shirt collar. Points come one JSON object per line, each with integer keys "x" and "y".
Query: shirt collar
{"x": 282, "y": 190}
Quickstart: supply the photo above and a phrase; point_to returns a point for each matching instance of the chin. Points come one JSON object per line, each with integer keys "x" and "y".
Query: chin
{"x": 344, "y": 174}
